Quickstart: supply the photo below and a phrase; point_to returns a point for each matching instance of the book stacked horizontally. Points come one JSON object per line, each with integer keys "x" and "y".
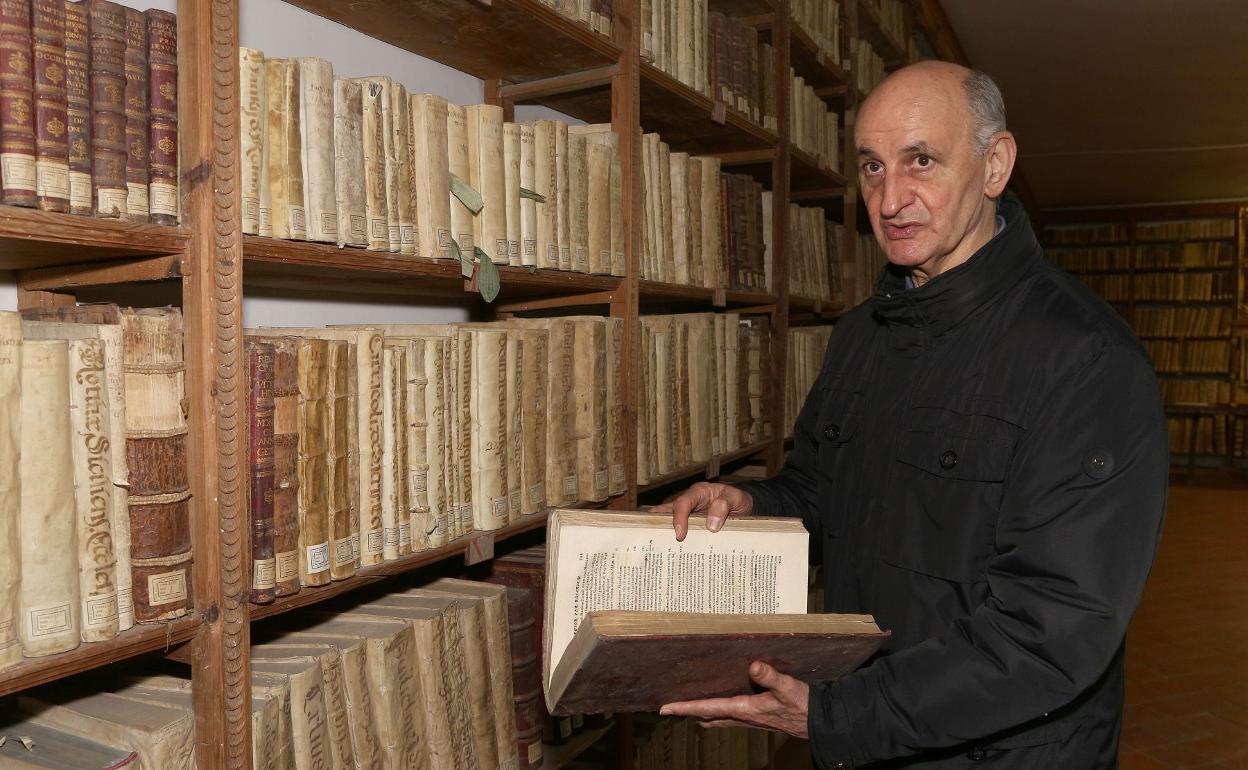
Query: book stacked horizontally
{"x": 90, "y": 118}
{"x": 372, "y": 443}
{"x": 96, "y": 528}
{"x": 807, "y": 346}
{"x": 361, "y": 162}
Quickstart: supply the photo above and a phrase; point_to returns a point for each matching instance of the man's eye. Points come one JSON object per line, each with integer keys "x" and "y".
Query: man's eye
{"x": 872, "y": 167}
{"x": 923, "y": 161}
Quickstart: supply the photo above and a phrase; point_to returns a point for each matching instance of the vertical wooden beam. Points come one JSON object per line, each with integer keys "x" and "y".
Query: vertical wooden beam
{"x": 493, "y": 95}
{"x": 212, "y": 301}
{"x": 849, "y": 235}
{"x": 780, "y": 172}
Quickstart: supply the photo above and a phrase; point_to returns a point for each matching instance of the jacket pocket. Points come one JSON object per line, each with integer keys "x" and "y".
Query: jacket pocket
{"x": 841, "y": 414}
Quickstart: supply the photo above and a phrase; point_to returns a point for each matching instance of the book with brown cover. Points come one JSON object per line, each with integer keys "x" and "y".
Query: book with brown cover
{"x": 260, "y": 410}
{"x": 162, "y": 62}
{"x": 17, "y": 108}
{"x": 78, "y": 106}
{"x": 51, "y": 138}
{"x": 285, "y": 465}
{"x": 314, "y": 548}
{"x": 136, "y": 116}
{"x": 525, "y": 676}
{"x": 107, "y": 24}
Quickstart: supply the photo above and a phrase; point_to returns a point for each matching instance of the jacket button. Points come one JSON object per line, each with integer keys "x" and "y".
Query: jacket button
{"x": 976, "y": 755}
{"x": 948, "y": 459}
{"x": 832, "y": 432}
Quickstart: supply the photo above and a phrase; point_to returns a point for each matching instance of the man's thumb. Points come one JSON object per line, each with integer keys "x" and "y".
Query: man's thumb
{"x": 764, "y": 675}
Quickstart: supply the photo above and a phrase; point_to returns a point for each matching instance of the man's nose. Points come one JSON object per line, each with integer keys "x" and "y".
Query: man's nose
{"x": 897, "y": 194}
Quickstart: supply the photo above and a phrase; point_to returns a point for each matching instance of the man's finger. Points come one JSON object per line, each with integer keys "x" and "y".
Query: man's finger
{"x": 680, "y": 514}
{"x": 716, "y": 514}
{"x": 710, "y": 708}
{"x": 712, "y": 723}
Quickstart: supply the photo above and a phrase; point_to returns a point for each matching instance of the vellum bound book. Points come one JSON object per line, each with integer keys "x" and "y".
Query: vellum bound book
{"x": 632, "y": 615}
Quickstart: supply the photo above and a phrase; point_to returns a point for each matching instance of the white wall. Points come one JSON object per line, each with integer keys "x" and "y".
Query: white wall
{"x": 281, "y": 30}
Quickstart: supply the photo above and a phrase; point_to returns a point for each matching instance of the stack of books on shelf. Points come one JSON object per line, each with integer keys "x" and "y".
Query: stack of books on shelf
{"x": 1183, "y": 321}
{"x": 892, "y": 15}
{"x": 372, "y": 443}
{"x": 97, "y": 533}
{"x": 821, "y": 20}
{"x": 1206, "y": 434}
{"x": 867, "y": 66}
{"x": 1111, "y": 287}
{"x": 661, "y": 743}
{"x": 361, "y": 162}
{"x": 812, "y": 126}
{"x": 1100, "y": 233}
{"x": 705, "y": 389}
{"x": 1091, "y": 258}
{"x": 815, "y": 263}
{"x": 595, "y": 14}
{"x": 1185, "y": 255}
{"x": 1190, "y": 356}
{"x": 807, "y": 346}
{"x": 1222, "y": 227}
{"x": 1174, "y": 287}
{"x": 90, "y": 119}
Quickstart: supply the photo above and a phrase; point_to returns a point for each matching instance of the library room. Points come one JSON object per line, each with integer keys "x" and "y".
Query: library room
{"x": 623, "y": 385}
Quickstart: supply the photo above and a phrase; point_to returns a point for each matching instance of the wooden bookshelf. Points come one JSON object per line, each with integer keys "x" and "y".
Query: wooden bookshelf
{"x": 30, "y": 238}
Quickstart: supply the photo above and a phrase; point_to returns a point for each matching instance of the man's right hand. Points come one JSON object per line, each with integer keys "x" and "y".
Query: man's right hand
{"x": 717, "y": 501}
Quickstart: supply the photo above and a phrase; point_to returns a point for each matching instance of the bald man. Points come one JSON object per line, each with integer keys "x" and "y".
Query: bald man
{"x": 982, "y": 465}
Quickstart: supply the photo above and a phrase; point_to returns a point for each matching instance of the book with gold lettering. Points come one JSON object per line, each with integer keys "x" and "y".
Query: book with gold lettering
{"x": 107, "y": 24}
{"x": 137, "y": 136}
{"x": 260, "y": 408}
{"x": 162, "y": 60}
{"x": 47, "y": 24}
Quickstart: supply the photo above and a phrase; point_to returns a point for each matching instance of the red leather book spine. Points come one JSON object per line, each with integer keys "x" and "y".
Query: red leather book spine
{"x": 260, "y": 454}
{"x": 286, "y": 466}
{"x": 108, "y": 108}
{"x": 51, "y": 132}
{"x": 135, "y": 68}
{"x": 17, "y": 111}
{"x": 78, "y": 106}
{"x": 162, "y": 60}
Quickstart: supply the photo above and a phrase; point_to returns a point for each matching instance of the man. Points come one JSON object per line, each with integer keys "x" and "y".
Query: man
{"x": 982, "y": 465}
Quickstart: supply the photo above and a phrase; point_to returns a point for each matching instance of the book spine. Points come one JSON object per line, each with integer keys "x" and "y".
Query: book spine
{"x": 405, "y": 171}
{"x": 459, "y": 165}
{"x": 260, "y": 414}
{"x": 349, "y": 163}
{"x": 17, "y": 110}
{"x": 51, "y": 120}
{"x": 253, "y": 109}
{"x": 465, "y": 387}
{"x": 431, "y": 164}
{"x": 489, "y": 430}
{"x": 486, "y": 168}
{"x": 533, "y": 420}
{"x": 528, "y": 206}
{"x": 514, "y": 450}
{"x": 277, "y": 103}
{"x": 389, "y": 516}
{"x": 108, "y": 108}
{"x": 314, "y": 547}
{"x": 78, "y": 106}
{"x": 390, "y": 166}
{"x": 316, "y": 148}
{"x": 578, "y": 201}
{"x": 562, "y": 188}
{"x": 526, "y": 676}
{"x": 10, "y": 490}
{"x": 372, "y": 92}
{"x": 619, "y": 259}
{"x": 398, "y": 415}
{"x": 511, "y": 190}
{"x": 617, "y": 483}
{"x": 598, "y": 184}
{"x": 341, "y": 494}
{"x": 418, "y": 426}
{"x": 546, "y": 179}
{"x": 162, "y": 59}
{"x": 136, "y": 112}
{"x": 286, "y": 466}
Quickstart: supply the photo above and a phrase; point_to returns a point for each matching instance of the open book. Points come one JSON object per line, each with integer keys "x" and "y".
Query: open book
{"x": 635, "y": 619}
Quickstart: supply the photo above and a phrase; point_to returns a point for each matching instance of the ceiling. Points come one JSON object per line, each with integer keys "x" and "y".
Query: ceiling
{"x": 1118, "y": 101}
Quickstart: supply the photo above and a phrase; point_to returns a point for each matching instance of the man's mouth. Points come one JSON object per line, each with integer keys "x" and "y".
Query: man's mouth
{"x": 901, "y": 232}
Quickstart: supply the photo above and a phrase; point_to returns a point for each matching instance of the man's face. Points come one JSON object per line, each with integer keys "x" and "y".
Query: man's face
{"x": 921, "y": 178}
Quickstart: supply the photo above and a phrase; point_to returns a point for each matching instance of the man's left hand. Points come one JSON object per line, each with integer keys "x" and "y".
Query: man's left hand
{"x": 783, "y": 707}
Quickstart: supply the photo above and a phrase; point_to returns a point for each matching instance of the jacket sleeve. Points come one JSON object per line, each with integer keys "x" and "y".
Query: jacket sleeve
{"x": 1076, "y": 536}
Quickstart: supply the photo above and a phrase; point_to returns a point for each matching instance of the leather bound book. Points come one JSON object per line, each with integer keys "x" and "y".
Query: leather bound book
{"x": 51, "y": 123}
{"x": 459, "y": 165}
{"x": 314, "y": 548}
{"x": 617, "y": 483}
{"x": 252, "y": 108}
{"x": 260, "y": 410}
{"x": 428, "y": 116}
{"x": 534, "y": 371}
{"x": 374, "y": 93}
{"x": 308, "y": 718}
{"x": 10, "y": 482}
{"x": 136, "y": 111}
{"x": 404, "y": 171}
{"x": 711, "y": 229}
{"x": 108, "y": 108}
{"x": 486, "y": 168}
{"x": 316, "y": 148}
{"x": 599, "y": 204}
{"x": 162, "y": 62}
{"x": 162, "y": 736}
{"x": 341, "y": 495}
{"x": 78, "y": 106}
{"x": 349, "y": 162}
{"x": 562, "y": 192}
{"x": 578, "y": 200}
{"x": 60, "y": 750}
{"x": 286, "y": 464}
{"x": 17, "y": 105}
{"x": 156, "y": 456}
{"x": 526, "y": 676}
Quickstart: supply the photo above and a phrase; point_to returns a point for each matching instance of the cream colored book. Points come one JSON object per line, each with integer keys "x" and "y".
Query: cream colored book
{"x": 333, "y": 692}
{"x": 534, "y": 371}
{"x": 431, "y": 162}
{"x": 342, "y": 495}
{"x": 649, "y": 236}
{"x": 316, "y": 131}
{"x": 663, "y": 375}
{"x": 732, "y": 380}
{"x": 561, "y": 484}
{"x": 589, "y": 376}
{"x": 391, "y": 165}
{"x": 598, "y": 221}
{"x": 563, "y": 209}
{"x": 279, "y": 751}
{"x": 701, "y": 362}
{"x": 162, "y": 736}
{"x": 405, "y": 170}
{"x": 418, "y": 419}
{"x": 10, "y": 485}
{"x": 712, "y": 225}
{"x": 252, "y": 107}
{"x": 693, "y": 199}
{"x": 511, "y": 189}
{"x": 375, "y": 95}
{"x": 464, "y": 383}
{"x": 768, "y": 250}
{"x": 546, "y": 179}
{"x": 349, "y": 177}
{"x": 402, "y": 511}
{"x": 528, "y": 206}
{"x": 667, "y": 264}
{"x": 488, "y": 177}
{"x": 680, "y": 217}
{"x": 314, "y": 533}
{"x": 720, "y": 408}
{"x": 463, "y": 222}
{"x": 283, "y": 139}
{"x": 514, "y": 450}
{"x": 49, "y": 593}
{"x": 617, "y": 483}
{"x": 390, "y": 375}
{"x": 489, "y": 428}
{"x": 578, "y": 200}
{"x": 308, "y": 717}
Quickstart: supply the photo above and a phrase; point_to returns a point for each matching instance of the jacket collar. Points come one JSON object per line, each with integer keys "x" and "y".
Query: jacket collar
{"x": 949, "y": 298}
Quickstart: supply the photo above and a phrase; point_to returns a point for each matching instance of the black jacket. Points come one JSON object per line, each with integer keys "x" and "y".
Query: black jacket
{"x": 982, "y": 465}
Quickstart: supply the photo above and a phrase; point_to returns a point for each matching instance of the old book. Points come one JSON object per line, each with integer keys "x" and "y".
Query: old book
{"x": 314, "y": 533}
{"x": 458, "y": 165}
{"x": 700, "y": 367}
{"x": 599, "y": 221}
{"x": 49, "y": 591}
{"x": 417, "y": 420}
{"x": 589, "y": 636}
{"x": 680, "y": 217}
{"x": 285, "y": 464}
{"x": 162, "y": 60}
{"x": 260, "y": 409}
{"x": 156, "y": 458}
{"x": 589, "y": 376}
{"x": 47, "y": 27}
{"x": 275, "y": 745}
{"x": 341, "y": 493}
{"x": 349, "y": 197}
{"x": 78, "y": 106}
{"x": 282, "y": 136}
{"x": 10, "y": 486}
{"x": 375, "y": 96}
{"x": 395, "y": 517}
{"x": 107, "y": 24}
{"x": 431, "y": 161}
{"x": 162, "y": 736}
{"x": 341, "y": 748}
{"x": 514, "y": 448}
{"x": 731, "y": 382}
{"x": 488, "y": 177}
{"x": 488, "y": 437}
{"x": 578, "y": 200}
{"x": 316, "y": 150}
{"x": 438, "y": 403}
{"x": 391, "y": 167}
{"x": 511, "y": 189}
{"x": 405, "y": 171}
{"x": 617, "y": 482}
{"x": 665, "y": 219}
{"x": 17, "y": 106}
{"x": 642, "y": 427}
{"x": 546, "y": 181}
{"x": 58, "y": 749}
{"x": 693, "y": 221}
{"x": 534, "y": 371}
{"x": 253, "y": 111}
{"x": 561, "y": 485}
{"x": 136, "y": 111}
{"x": 682, "y": 408}
{"x": 528, "y": 206}
{"x": 562, "y": 189}
{"x": 462, "y": 360}
{"x": 526, "y": 681}
{"x": 308, "y": 717}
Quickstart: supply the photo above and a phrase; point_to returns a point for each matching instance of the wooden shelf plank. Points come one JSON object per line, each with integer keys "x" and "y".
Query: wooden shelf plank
{"x": 143, "y": 638}
{"x": 886, "y": 46}
{"x": 512, "y": 40}
{"x": 806, "y": 174}
{"x": 742, "y": 7}
{"x": 710, "y": 468}
{"x": 659, "y": 293}
{"x": 30, "y": 238}
{"x": 557, "y": 757}
{"x": 819, "y": 72}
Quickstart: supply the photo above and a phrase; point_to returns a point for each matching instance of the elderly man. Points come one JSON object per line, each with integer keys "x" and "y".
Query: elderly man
{"x": 982, "y": 465}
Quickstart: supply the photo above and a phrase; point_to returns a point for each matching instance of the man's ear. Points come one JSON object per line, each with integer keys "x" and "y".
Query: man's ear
{"x": 1000, "y": 163}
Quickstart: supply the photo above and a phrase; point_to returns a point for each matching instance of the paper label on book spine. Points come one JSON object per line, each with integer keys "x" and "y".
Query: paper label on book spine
{"x": 344, "y": 552}
{"x": 125, "y": 601}
{"x": 164, "y": 198}
{"x": 355, "y": 546}
{"x": 52, "y": 178}
{"x": 374, "y": 542}
{"x": 110, "y": 201}
{"x": 617, "y": 475}
{"x": 266, "y": 221}
{"x": 251, "y": 211}
{"x": 136, "y": 200}
{"x": 329, "y": 223}
{"x": 570, "y": 485}
{"x": 600, "y": 480}
{"x": 392, "y": 536}
{"x": 359, "y": 227}
{"x": 405, "y": 536}
{"x": 420, "y": 479}
{"x": 18, "y": 171}
{"x": 537, "y": 493}
{"x": 407, "y": 234}
{"x": 298, "y": 223}
{"x": 166, "y": 587}
{"x": 287, "y": 563}
{"x": 49, "y": 619}
{"x": 514, "y": 499}
{"x": 535, "y": 752}
{"x": 530, "y": 247}
{"x": 498, "y": 509}
{"x": 318, "y": 557}
{"x": 79, "y": 189}
{"x": 378, "y": 229}
{"x": 263, "y": 573}
{"x": 99, "y": 610}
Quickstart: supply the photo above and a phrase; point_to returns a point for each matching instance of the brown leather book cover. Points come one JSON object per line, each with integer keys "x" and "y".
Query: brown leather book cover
{"x": 285, "y": 465}
{"x": 78, "y": 105}
{"x": 108, "y": 108}
{"x": 260, "y": 456}
{"x": 314, "y": 534}
{"x": 526, "y": 675}
{"x": 51, "y": 139}
{"x": 17, "y": 109}
{"x": 162, "y": 61}
{"x": 136, "y": 116}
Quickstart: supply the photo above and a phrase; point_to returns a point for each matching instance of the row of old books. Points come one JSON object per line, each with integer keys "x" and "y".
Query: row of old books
{"x": 867, "y": 68}
{"x": 812, "y": 126}
{"x": 670, "y": 743}
{"x": 1208, "y": 434}
{"x": 1201, "y": 391}
{"x": 95, "y": 526}
{"x": 705, "y": 386}
{"x": 821, "y": 21}
{"x": 1086, "y": 234}
{"x": 892, "y": 16}
{"x": 1190, "y": 254}
{"x": 1184, "y": 287}
{"x": 816, "y": 269}
{"x": 1190, "y": 356}
{"x": 89, "y": 123}
{"x": 369, "y": 444}
{"x": 858, "y": 282}
{"x": 807, "y": 345}
{"x": 1091, "y": 258}
{"x": 595, "y": 14}
{"x": 361, "y": 162}
{"x": 1223, "y": 227}
{"x": 1183, "y": 321}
